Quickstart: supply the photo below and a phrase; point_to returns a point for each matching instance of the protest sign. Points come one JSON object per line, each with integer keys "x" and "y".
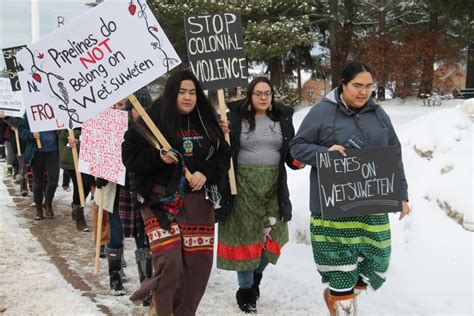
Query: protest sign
{"x": 92, "y": 62}
{"x": 11, "y": 102}
{"x": 101, "y": 140}
{"x": 13, "y": 67}
{"x": 215, "y": 47}
{"x": 364, "y": 182}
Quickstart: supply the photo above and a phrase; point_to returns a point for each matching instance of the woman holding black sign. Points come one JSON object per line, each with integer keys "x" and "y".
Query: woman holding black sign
{"x": 255, "y": 232}
{"x": 351, "y": 252}
{"x": 179, "y": 220}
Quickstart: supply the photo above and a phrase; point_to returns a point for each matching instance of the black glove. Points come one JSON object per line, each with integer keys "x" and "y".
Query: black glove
{"x": 286, "y": 217}
{"x": 100, "y": 183}
{"x": 163, "y": 219}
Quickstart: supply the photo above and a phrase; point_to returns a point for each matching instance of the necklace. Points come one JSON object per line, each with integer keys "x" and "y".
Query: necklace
{"x": 187, "y": 143}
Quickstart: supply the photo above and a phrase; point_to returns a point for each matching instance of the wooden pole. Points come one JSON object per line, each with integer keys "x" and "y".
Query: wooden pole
{"x": 156, "y": 132}
{"x": 38, "y": 143}
{"x": 78, "y": 174}
{"x": 222, "y": 109}
{"x": 99, "y": 229}
{"x": 17, "y": 138}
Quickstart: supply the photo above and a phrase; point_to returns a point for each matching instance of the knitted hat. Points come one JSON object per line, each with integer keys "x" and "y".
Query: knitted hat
{"x": 143, "y": 96}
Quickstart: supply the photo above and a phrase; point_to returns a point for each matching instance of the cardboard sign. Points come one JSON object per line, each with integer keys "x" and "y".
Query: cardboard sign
{"x": 13, "y": 67}
{"x": 215, "y": 45}
{"x": 11, "y": 102}
{"x": 92, "y": 62}
{"x": 101, "y": 146}
{"x": 364, "y": 182}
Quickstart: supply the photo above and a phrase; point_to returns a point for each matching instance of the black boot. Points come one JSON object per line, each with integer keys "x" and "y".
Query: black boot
{"x": 81, "y": 224}
{"x": 257, "y": 277}
{"x": 145, "y": 268}
{"x": 247, "y": 301}
{"x": 114, "y": 257}
{"x": 39, "y": 212}
{"x": 74, "y": 208}
{"x": 23, "y": 187}
{"x": 48, "y": 207}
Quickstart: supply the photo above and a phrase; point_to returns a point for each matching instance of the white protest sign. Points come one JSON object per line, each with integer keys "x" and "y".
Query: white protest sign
{"x": 101, "y": 146}
{"x": 11, "y": 102}
{"x": 92, "y": 62}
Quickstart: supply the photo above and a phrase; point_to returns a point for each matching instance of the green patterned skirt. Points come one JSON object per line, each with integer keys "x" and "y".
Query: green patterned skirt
{"x": 346, "y": 249}
{"x": 241, "y": 244}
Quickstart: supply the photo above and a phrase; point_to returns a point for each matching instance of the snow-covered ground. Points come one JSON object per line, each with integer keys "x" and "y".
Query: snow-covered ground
{"x": 431, "y": 270}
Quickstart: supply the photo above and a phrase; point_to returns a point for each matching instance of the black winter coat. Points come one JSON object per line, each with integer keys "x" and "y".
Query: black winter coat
{"x": 288, "y": 131}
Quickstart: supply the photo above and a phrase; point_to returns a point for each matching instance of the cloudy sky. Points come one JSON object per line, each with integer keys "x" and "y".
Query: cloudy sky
{"x": 15, "y": 19}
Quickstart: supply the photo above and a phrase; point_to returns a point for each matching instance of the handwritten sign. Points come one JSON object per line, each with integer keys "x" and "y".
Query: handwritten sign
{"x": 215, "y": 47}
{"x": 92, "y": 62}
{"x": 11, "y": 102}
{"x": 101, "y": 146}
{"x": 364, "y": 182}
{"x": 13, "y": 67}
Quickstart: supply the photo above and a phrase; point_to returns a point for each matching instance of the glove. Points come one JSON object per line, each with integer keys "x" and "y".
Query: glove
{"x": 163, "y": 219}
{"x": 100, "y": 183}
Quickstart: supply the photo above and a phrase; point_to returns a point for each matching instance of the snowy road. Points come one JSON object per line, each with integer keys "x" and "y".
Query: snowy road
{"x": 46, "y": 267}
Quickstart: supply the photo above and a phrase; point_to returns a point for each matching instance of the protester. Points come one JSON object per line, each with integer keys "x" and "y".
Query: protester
{"x": 66, "y": 145}
{"x": 179, "y": 225}
{"x": 124, "y": 217}
{"x": 41, "y": 159}
{"x": 255, "y": 232}
{"x": 352, "y": 252}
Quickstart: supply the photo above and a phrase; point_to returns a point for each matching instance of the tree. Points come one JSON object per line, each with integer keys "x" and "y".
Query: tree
{"x": 272, "y": 30}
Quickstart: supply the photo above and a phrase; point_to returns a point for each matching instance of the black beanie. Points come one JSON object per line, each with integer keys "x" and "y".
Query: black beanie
{"x": 143, "y": 96}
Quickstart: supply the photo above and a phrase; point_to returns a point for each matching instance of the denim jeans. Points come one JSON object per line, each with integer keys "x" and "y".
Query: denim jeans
{"x": 246, "y": 277}
{"x": 116, "y": 231}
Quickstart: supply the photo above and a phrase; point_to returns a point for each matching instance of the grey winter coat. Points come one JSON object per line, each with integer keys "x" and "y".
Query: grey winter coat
{"x": 331, "y": 123}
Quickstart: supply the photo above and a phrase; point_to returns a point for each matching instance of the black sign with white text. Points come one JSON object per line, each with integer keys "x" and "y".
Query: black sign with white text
{"x": 13, "y": 67}
{"x": 215, "y": 46}
{"x": 364, "y": 182}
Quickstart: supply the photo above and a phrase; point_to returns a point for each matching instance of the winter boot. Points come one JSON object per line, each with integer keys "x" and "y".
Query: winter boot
{"x": 145, "y": 268}
{"x": 74, "y": 208}
{"x": 247, "y": 300}
{"x": 339, "y": 305}
{"x": 114, "y": 257}
{"x": 23, "y": 187}
{"x": 39, "y": 212}
{"x": 257, "y": 277}
{"x": 48, "y": 207}
{"x": 81, "y": 224}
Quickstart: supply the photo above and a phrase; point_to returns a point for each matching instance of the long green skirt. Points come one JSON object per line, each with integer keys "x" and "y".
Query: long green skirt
{"x": 346, "y": 249}
{"x": 241, "y": 244}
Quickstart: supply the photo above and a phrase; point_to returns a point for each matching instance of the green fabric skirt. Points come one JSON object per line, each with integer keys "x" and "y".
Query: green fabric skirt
{"x": 346, "y": 249}
{"x": 241, "y": 244}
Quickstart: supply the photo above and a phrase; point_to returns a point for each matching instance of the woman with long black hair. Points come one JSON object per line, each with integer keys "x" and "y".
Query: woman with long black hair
{"x": 179, "y": 220}
{"x": 253, "y": 235}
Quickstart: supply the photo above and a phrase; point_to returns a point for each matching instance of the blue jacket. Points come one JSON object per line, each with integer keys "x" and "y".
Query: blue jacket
{"x": 331, "y": 123}
{"x": 28, "y": 140}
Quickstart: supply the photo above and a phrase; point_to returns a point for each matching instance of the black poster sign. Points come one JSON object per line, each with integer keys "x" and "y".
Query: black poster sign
{"x": 215, "y": 46}
{"x": 365, "y": 182}
{"x": 13, "y": 67}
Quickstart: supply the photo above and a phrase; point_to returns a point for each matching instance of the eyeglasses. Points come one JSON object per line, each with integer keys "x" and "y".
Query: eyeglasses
{"x": 259, "y": 94}
{"x": 359, "y": 86}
